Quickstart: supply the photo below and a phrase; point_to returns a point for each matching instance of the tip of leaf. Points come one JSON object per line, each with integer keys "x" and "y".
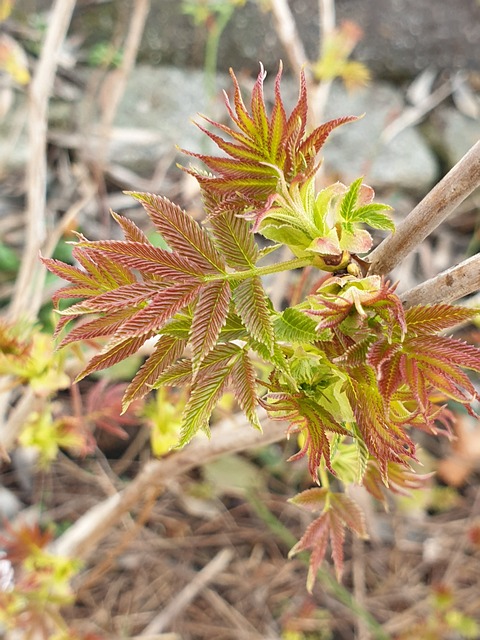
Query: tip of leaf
{"x": 125, "y": 404}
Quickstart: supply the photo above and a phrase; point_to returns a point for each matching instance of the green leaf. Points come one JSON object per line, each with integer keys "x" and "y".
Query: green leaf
{"x": 208, "y": 389}
{"x": 235, "y": 239}
{"x": 182, "y": 233}
{"x": 234, "y": 329}
{"x": 294, "y": 238}
{"x": 179, "y": 326}
{"x": 180, "y": 373}
{"x": 371, "y": 214}
{"x": 251, "y": 303}
{"x": 349, "y": 200}
{"x": 294, "y": 326}
{"x": 277, "y": 359}
{"x": 324, "y": 203}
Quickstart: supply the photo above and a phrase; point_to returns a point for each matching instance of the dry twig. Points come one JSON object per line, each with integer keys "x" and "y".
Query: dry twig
{"x": 28, "y": 289}
{"x": 448, "y": 286}
{"x": 117, "y": 79}
{"x": 288, "y": 34}
{"x": 83, "y": 537}
{"x": 442, "y": 200}
{"x": 163, "y": 620}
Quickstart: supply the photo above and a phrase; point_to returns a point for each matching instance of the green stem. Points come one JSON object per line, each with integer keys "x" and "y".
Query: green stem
{"x": 288, "y": 265}
{"x": 211, "y": 49}
{"x": 323, "y": 473}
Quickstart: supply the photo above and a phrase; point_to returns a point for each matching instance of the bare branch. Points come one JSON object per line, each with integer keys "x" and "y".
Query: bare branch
{"x": 28, "y": 288}
{"x": 83, "y": 537}
{"x": 181, "y": 601}
{"x": 118, "y": 78}
{"x": 287, "y": 32}
{"x": 412, "y": 115}
{"x": 321, "y": 90}
{"x": 429, "y": 213}
{"x": 448, "y": 286}
{"x": 11, "y": 428}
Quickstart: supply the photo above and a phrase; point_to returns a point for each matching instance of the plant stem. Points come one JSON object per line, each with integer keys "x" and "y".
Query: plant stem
{"x": 288, "y": 265}
{"x": 211, "y": 48}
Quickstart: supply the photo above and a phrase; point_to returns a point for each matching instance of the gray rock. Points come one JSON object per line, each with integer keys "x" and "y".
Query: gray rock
{"x": 159, "y": 103}
{"x": 453, "y": 133}
{"x": 406, "y": 162}
{"x": 402, "y": 37}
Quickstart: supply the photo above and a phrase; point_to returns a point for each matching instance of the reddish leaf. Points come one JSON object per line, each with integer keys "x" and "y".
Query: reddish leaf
{"x": 448, "y": 350}
{"x": 166, "y": 351}
{"x": 311, "y": 499}
{"x": 147, "y": 258}
{"x": 349, "y": 512}
{"x": 182, "y": 233}
{"x": 385, "y": 440}
{"x": 100, "y": 327}
{"x": 316, "y": 539}
{"x": 130, "y": 230}
{"x": 114, "y": 352}
{"x": 163, "y": 306}
{"x": 210, "y": 315}
{"x": 106, "y": 271}
{"x": 244, "y": 388}
{"x": 427, "y": 319}
{"x": 337, "y": 540}
{"x": 129, "y": 297}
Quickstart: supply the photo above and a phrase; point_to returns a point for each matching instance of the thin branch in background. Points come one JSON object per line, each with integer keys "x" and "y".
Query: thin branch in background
{"x": 83, "y": 537}
{"x": 104, "y": 93}
{"x": 11, "y": 428}
{"x": 412, "y": 115}
{"x": 326, "y": 10}
{"x": 181, "y": 601}
{"x": 87, "y": 189}
{"x": 437, "y": 205}
{"x": 359, "y": 585}
{"x": 327, "y": 22}
{"x": 288, "y": 34}
{"x": 448, "y": 286}
{"x": 117, "y": 80}
{"x": 28, "y": 288}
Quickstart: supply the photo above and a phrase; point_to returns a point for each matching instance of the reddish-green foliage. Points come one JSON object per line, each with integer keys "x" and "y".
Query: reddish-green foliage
{"x": 348, "y": 368}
